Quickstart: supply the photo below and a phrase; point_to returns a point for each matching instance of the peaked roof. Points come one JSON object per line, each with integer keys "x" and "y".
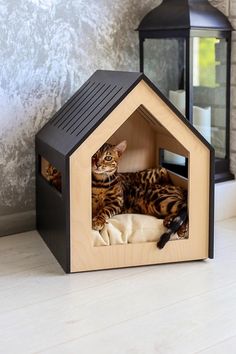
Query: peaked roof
{"x": 184, "y": 14}
{"x": 90, "y": 105}
{"x": 87, "y": 108}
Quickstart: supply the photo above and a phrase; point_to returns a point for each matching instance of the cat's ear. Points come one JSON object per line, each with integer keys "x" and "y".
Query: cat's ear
{"x": 120, "y": 148}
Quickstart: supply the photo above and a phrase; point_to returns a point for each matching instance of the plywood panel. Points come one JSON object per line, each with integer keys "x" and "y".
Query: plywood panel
{"x": 178, "y": 180}
{"x": 169, "y": 143}
{"x": 160, "y": 129}
{"x": 141, "y": 149}
{"x": 86, "y": 257}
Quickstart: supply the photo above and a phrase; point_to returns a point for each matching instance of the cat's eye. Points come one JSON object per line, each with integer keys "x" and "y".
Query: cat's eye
{"x": 108, "y": 158}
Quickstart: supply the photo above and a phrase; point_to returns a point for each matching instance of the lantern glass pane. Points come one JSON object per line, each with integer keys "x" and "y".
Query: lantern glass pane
{"x": 164, "y": 64}
{"x": 209, "y": 91}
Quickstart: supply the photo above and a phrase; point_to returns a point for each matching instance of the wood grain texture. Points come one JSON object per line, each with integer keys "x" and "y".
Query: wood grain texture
{"x": 141, "y": 151}
{"x": 183, "y": 308}
{"x": 86, "y": 257}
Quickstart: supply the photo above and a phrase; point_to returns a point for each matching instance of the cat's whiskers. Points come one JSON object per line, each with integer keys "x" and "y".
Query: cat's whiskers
{"x": 108, "y": 177}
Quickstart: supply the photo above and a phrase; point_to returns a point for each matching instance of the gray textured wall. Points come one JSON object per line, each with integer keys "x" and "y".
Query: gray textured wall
{"x": 48, "y": 49}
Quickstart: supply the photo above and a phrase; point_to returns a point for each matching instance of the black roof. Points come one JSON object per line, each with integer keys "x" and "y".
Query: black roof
{"x": 184, "y": 14}
{"x": 87, "y": 108}
{"x": 90, "y": 105}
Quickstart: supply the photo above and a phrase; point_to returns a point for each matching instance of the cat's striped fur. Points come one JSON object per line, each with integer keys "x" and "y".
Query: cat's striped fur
{"x": 147, "y": 192}
{"x": 53, "y": 177}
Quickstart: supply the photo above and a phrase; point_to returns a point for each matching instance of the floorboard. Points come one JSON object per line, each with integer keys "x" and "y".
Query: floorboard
{"x": 176, "y": 308}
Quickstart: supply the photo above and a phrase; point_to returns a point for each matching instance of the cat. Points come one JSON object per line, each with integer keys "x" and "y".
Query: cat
{"x": 147, "y": 192}
{"x": 53, "y": 177}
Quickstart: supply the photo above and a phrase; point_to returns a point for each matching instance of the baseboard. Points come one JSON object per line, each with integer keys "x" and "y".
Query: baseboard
{"x": 17, "y": 223}
{"x": 225, "y": 200}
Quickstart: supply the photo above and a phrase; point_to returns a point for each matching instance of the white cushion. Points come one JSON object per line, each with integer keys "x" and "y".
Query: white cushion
{"x": 130, "y": 228}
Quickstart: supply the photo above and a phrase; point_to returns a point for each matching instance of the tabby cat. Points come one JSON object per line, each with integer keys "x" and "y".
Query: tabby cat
{"x": 147, "y": 192}
{"x": 53, "y": 177}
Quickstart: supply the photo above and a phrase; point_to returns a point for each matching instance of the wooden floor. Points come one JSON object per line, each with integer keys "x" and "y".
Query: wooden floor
{"x": 178, "y": 308}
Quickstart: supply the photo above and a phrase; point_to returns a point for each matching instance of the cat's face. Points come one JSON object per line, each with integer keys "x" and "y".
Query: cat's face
{"x": 105, "y": 161}
{"x": 50, "y": 171}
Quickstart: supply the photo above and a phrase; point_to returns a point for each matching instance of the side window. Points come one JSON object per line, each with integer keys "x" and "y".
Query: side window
{"x": 174, "y": 162}
{"x": 50, "y": 173}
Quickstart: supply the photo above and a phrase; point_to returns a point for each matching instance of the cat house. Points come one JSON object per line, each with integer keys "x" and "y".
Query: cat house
{"x": 110, "y": 107}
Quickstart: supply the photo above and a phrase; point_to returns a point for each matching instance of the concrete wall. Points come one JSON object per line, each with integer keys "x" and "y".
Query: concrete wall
{"x": 48, "y": 48}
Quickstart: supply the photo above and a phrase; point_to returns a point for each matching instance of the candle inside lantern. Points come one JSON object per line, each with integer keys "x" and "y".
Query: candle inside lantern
{"x": 202, "y": 121}
{"x": 178, "y": 99}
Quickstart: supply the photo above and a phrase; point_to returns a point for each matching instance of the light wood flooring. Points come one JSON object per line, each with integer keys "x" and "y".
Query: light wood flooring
{"x": 180, "y": 308}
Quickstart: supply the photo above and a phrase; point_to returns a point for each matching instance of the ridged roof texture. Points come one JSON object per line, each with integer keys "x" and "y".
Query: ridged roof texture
{"x": 90, "y": 106}
{"x": 87, "y": 108}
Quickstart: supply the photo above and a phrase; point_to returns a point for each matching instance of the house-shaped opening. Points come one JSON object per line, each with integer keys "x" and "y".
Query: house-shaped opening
{"x": 147, "y": 140}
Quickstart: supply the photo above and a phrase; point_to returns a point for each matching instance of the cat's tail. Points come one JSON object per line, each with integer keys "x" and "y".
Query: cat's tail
{"x": 173, "y": 227}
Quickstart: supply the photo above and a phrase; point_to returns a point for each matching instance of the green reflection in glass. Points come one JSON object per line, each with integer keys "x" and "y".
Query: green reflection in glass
{"x": 205, "y": 62}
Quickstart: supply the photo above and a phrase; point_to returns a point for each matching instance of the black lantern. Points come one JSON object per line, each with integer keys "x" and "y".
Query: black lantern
{"x": 185, "y": 48}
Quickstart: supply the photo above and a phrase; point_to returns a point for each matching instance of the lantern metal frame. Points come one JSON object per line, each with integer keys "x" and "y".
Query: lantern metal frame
{"x": 195, "y": 18}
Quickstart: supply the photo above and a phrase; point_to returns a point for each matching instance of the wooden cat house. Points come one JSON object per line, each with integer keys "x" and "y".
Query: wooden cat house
{"x": 112, "y": 106}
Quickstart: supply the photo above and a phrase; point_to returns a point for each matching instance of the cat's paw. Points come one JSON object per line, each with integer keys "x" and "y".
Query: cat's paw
{"x": 168, "y": 220}
{"x": 183, "y": 231}
{"x": 98, "y": 223}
